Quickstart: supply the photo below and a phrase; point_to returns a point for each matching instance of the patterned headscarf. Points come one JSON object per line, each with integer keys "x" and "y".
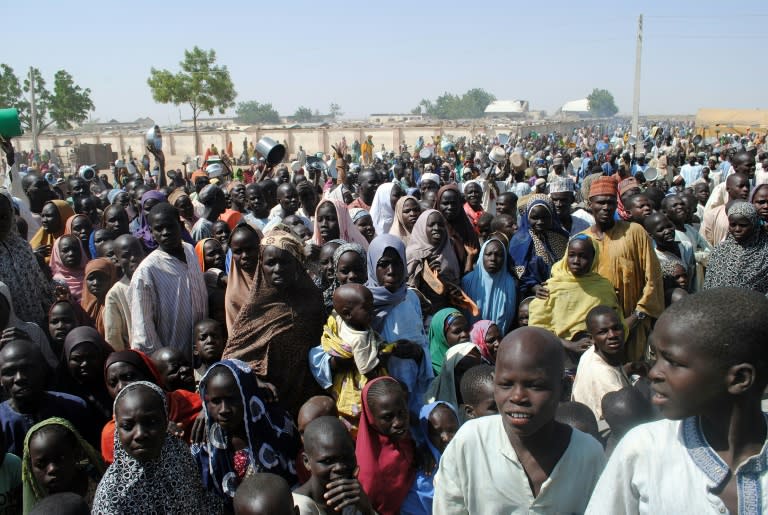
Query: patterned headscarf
{"x": 745, "y": 209}
{"x": 282, "y": 237}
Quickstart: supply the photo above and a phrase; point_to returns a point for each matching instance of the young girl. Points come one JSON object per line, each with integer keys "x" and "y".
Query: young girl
{"x": 100, "y": 276}
{"x": 210, "y": 254}
{"x": 245, "y": 434}
{"x": 68, "y": 261}
{"x": 222, "y": 232}
{"x": 486, "y": 337}
{"x": 81, "y": 227}
{"x": 384, "y": 449}
{"x": 57, "y": 459}
{"x": 407, "y": 211}
{"x": 447, "y": 328}
{"x": 64, "y": 316}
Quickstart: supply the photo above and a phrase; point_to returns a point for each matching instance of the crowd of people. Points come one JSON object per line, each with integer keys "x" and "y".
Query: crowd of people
{"x": 560, "y": 323}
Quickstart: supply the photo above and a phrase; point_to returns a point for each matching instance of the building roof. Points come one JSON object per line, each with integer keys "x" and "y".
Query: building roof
{"x": 576, "y": 106}
{"x": 507, "y": 106}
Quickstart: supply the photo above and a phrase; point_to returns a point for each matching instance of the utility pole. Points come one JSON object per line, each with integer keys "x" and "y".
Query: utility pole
{"x": 33, "y": 113}
{"x": 636, "y": 97}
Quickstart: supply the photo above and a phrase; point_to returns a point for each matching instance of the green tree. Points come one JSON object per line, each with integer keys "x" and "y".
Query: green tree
{"x": 303, "y": 114}
{"x": 10, "y": 87}
{"x": 201, "y": 83}
{"x": 335, "y": 110}
{"x": 70, "y": 103}
{"x": 601, "y": 103}
{"x": 471, "y": 104}
{"x": 42, "y": 102}
{"x": 254, "y": 112}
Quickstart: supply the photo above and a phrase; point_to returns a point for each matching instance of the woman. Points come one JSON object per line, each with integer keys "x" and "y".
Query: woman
{"x": 144, "y": 233}
{"x": 447, "y": 328}
{"x": 473, "y": 206}
{"x": 57, "y": 459}
{"x": 741, "y": 260}
{"x": 19, "y": 269}
{"x": 53, "y": 219}
{"x": 348, "y": 265}
{"x": 12, "y": 327}
{"x": 407, "y": 211}
{"x": 537, "y": 245}
{"x": 486, "y": 336}
{"x": 462, "y": 235}
{"x": 332, "y": 221}
{"x": 492, "y": 286}
{"x": 160, "y": 476}
{"x": 759, "y": 198}
{"x": 180, "y": 199}
{"x": 82, "y": 371}
{"x": 100, "y": 275}
{"x": 431, "y": 259}
{"x": 253, "y": 436}
{"x": 281, "y": 320}
{"x": 244, "y": 246}
{"x": 383, "y": 206}
{"x": 68, "y": 262}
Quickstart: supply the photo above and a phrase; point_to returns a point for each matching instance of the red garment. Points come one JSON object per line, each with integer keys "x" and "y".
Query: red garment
{"x": 387, "y": 468}
{"x": 231, "y": 217}
{"x": 473, "y": 215}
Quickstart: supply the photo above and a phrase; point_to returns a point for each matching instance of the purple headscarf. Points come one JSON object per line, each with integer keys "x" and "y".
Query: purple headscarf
{"x": 144, "y": 233}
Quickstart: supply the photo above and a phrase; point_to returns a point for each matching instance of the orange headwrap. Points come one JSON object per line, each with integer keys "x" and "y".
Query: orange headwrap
{"x": 602, "y": 186}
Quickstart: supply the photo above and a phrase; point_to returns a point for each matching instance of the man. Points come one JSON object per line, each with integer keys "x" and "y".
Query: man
{"x": 506, "y": 204}
{"x": 674, "y": 207}
{"x": 167, "y": 294}
{"x": 38, "y": 192}
{"x": 368, "y": 181}
{"x": 691, "y": 171}
{"x": 744, "y": 163}
{"x": 563, "y": 198}
{"x": 714, "y": 227}
{"x": 288, "y": 203}
{"x": 628, "y": 260}
{"x": 640, "y": 166}
{"x": 214, "y": 204}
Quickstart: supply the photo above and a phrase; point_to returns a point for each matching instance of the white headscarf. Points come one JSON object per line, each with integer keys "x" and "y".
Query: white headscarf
{"x": 382, "y": 212}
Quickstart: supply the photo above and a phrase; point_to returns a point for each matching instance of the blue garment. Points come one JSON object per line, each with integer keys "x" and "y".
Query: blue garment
{"x": 533, "y": 269}
{"x": 273, "y": 440}
{"x": 495, "y": 294}
{"x": 421, "y": 494}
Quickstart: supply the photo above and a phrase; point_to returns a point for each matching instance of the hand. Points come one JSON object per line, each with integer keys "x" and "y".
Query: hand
{"x": 578, "y": 346}
{"x": 268, "y": 389}
{"x": 313, "y": 251}
{"x": 175, "y": 429}
{"x": 408, "y": 350}
{"x": 631, "y": 321}
{"x": 13, "y": 333}
{"x": 43, "y": 250}
{"x": 198, "y": 433}
{"x": 347, "y": 492}
{"x": 541, "y": 291}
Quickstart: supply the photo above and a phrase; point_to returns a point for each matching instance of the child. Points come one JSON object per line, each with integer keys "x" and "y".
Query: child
{"x": 623, "y": 410}
{"x": 57, "y": 459}
{"x": 384, "y": 448}
{"x": 329, "y": 454}
{"x": 117, "y": 312}
{"x": 600, "y": 369}
{"x": 708, "y": 380}
{"x": 523, "y": 312}
{"x": 264, "y": 494}
{"x": 221, "y": 232}
{"x": 667, "y": 246}
{"x": 348, "y": 334}
{"x": 504, "y": 224}
{"x": 439, "y": 421}
{"x": 176, "y": 372}
{"x": 523, "y": 460}
{"x": 65, "y": 503}
{"x": 209, "y": 345}
{"x": 316, "y": 406}
{"x": 67, "y": 263}
{"x": 245, "y": 434}
{"x": 447, "y": 328}
{"x": 100, "y": 276}
{"x": 476, "y": 390}
{"x": 579, "y": 416}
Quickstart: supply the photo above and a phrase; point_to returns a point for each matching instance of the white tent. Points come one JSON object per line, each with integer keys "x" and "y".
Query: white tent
{"x": 507, "y": 107}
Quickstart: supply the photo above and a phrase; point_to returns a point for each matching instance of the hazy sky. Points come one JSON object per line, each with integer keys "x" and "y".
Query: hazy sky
{"x": 372, "y": 56}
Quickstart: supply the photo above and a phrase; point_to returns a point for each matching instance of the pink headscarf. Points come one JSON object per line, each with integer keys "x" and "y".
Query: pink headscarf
{"x": 73, "y": 277}
{"x": 477, "y": 336}
{"x": 347, "y": 230}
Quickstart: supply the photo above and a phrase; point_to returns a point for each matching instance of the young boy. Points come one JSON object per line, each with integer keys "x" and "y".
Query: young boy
{"x": 264, "y": 494}
{"x": 710, "y": 455}
{"x": 329, "y": 454}
{"x": 117, "y": 312}
{"x": 600, "y": 368}
{"x": 579, "y": 416}
{"x": 623, "y": 410}
{"x": 176, "y": 371}
{"x": 667, "y": 245}
{"x": 476, "y": 389}
{"x": 523, "y": 460}
{"x": 209, "y": 345}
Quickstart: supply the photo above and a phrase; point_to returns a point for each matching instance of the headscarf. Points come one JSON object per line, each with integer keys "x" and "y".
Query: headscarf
{"x": 444, "y": 385}
{"x": 112, "y": 195}
{"x": 740, "y": 264}
{"x": 347, "y": 229}
{"x": 168, "y": 484}
{"x": 73, "y": 277}
{"x": 71, "y": 220}
{"x": 91, "y": 464}
{"x": 43, "y": 237}
{"x": 383, "y": 299}
{"x": 550, "y": 246}
{"x": 461, "y": 233}
{"x": 92, "y": 305}
{"x": 495, "y": 294}
{"x": 381, "y": 208}
{"x": 386, "y": 467}
{"x": 144, "y": 232}
{"x": 337, "y": 193}
{"x": 35, "y": 333}
{"x": 477, "y": 337}
{"x": 438, "y": 345}
{"x": 239, "y": 282}
{"x": 571, "y": 298}
{"x": 398, "y": 229}
{"x": 343, "y": 249}
{"x": 276, "y": 328}
{"x": 200, "y": 252}
{"x": 356, "y": 213}
{"x": 270, "y": 431}
{"x": 420, "y": 248}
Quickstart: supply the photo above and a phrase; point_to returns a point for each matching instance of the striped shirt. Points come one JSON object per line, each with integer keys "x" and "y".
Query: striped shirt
{"x": 167, "y": 298}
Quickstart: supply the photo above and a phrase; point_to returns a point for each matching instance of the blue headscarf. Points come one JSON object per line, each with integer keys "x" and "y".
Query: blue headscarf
{"x": 383, "y": 299}
{"x": 495, "y": 294}
{"x": 273, "y": 441}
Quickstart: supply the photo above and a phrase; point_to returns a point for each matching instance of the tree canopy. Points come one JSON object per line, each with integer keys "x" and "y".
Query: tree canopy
{"x": 471, "y": 104}
{"x": 335, "y": 110}
{"x": 201, "y": 83}
{"x": 303, "y": 114}
{"x": 601, "y": 103}
{"x": 253, "y": 112}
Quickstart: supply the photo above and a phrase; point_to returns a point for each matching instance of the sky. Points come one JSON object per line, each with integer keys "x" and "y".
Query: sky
{"x": 384, "y": 57}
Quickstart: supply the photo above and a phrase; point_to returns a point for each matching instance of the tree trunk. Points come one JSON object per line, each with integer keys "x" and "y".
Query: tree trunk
{"x": 197, "y": 137}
